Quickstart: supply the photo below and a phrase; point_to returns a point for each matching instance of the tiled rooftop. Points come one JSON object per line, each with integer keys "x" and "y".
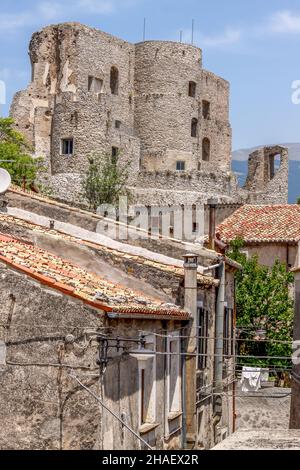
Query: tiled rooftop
{"x": 75, "y": 281}
{"x": 174, "y": 270}
{"x": 259, "y": 224}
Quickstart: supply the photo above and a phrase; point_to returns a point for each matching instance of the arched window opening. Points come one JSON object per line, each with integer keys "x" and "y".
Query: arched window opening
{"x": 274, "y": 165}
{"x": 114, "y": 80}
{"x": 206, "y": 149}
{"x": 194, "y": 129}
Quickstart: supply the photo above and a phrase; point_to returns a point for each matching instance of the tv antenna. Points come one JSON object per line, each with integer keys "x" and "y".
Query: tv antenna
{"x": 5, "y": 181}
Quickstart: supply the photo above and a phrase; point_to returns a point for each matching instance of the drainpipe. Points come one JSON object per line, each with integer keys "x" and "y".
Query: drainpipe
{"x": 190, "y": 305}
{"x": 295, "y": 401}
{"x": 219, "y": 335}
{"x": 212, "y": 204}
{"x": 183, "y": 393}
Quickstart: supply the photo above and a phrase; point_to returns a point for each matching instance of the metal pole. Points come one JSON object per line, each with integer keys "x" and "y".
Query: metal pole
{"x": 295, "y": 400}
{"x": 220, "y": 329}
{"x": 144, "y": 32}
{"x": 181, "y": 36}
{"x": 73, "y": 376}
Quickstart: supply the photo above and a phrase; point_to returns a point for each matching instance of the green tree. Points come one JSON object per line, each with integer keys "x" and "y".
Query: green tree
{"x": 105, "y": 180}
{"x": 15, "y": 154}
{"x": 298, "y": 200}
{"x": 263, "y": 303}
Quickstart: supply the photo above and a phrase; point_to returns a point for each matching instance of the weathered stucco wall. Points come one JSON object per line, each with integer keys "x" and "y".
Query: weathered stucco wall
{"x": 269, "y": 252}
{"x": 41, "y": 405}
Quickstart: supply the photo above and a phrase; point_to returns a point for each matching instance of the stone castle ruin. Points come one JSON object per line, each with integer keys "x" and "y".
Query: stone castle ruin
{"x": 153, "y": 104}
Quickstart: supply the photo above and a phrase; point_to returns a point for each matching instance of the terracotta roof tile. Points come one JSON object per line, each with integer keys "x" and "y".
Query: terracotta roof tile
{"x": 262, "y": 224}
{"x": 73, "y": 280}
{"x": 174, "y": 270}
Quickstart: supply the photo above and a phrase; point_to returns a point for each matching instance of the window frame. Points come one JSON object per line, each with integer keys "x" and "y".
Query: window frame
{"x": 180, "y": 163}
{"x": 62, "y": 144}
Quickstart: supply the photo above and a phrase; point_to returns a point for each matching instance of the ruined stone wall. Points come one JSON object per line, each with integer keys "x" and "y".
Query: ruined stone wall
{"x": 216, "y": 126}
{"x": 184, "y": 188}
{"x": 164, "y": 108}
{"x": 148, "y": 118}
{"x": 267, "y": 181}
{"x": 59, "y": 105}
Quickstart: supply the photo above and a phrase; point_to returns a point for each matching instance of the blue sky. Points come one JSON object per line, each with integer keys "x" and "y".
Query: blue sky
{"x": 254, "y": 44}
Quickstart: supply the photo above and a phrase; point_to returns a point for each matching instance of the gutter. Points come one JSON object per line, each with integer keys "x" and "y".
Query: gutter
{"x": 111, "y": 315}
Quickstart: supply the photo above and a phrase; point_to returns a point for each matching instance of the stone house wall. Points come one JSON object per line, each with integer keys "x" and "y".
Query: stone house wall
{"x": 41, "y": 405}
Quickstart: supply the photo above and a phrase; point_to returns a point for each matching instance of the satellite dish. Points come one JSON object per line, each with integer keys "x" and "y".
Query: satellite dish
{"x": 5, "y": 180}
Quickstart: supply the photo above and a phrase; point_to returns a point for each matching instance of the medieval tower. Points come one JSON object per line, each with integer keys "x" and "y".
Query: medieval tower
{"x": 151, "y": 103}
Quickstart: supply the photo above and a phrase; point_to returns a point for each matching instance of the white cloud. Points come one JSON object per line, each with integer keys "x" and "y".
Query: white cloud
{"x": 47, "y": 11}
{"x": 50, "y": 10}
{"x": 284, "y": 22}
{"x": 229, "y": 37}
{"x": 14, "y": 21}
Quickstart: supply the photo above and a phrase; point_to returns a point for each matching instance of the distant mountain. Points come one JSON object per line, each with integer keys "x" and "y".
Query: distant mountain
{"x": 242, "y": 154}
{"x": 240, "y": 167}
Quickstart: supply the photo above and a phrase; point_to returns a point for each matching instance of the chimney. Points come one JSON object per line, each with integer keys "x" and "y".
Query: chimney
{"x": 190, "y": 284}
{"x": 189, "y": 385}
{"x": 212, "y": 204}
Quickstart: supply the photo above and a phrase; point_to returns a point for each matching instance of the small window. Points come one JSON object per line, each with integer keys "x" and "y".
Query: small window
{"x": 206, "y": 109}
{"x": 67, "y": 147}
{"x": 195, "y": 227}
{"x": 95, "y": 85}
{"x": 194, "y": 127}
{"x": 114, "y": 154}
{"x": 118, "y": 124}
{"x": 192, "y": 89}
{"x": 114, "y": 81}
{"x": 180, "y": 166}
{"x": 206, "y": 150}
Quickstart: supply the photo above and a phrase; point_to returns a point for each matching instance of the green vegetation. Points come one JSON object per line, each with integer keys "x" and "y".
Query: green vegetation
{"x": 15, "y": 155}
{"x": 263, "y": 303}
{"x": 105, "y": 181}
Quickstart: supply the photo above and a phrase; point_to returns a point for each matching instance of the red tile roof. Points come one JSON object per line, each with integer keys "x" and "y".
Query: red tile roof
{"x": 204, "y": 280}
{"x": 261, "y": 224}
{"x": 75, "y": 281}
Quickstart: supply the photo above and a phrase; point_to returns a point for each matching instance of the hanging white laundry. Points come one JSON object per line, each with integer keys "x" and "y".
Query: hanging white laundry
{"x": 251, "y": 379}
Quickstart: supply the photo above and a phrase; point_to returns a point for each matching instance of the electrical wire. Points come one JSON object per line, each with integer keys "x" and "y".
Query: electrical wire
{"x": 73, "y": 376}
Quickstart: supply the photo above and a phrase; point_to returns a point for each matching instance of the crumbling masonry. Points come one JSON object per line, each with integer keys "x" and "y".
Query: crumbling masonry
{"x": 94, "y": 93}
